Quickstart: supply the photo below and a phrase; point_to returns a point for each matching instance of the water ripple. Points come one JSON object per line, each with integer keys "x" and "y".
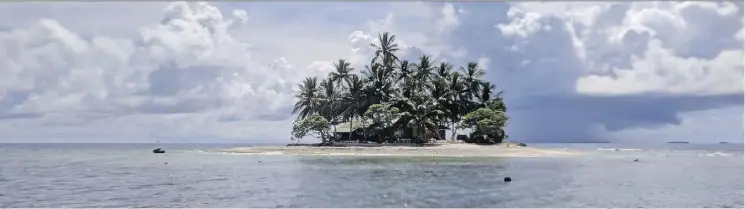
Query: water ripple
{"x": 128, "y": 178}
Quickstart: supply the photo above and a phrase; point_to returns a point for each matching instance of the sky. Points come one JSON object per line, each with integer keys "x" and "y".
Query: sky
{"x": 227, "y": 71}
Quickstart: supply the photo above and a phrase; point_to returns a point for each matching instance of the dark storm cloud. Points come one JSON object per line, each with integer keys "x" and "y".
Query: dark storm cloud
{"x": 564, "y": 118}
{"x": 539, "y": 80}
{"x": 10, "y": 116}
{"x": 169, "y": 80}
{"x": 181, "y": 105}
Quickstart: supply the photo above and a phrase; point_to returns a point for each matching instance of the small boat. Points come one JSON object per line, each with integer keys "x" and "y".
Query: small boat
{"x": 158, "y": 151}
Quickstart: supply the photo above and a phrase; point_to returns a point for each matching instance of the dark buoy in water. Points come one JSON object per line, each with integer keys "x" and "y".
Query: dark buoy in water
{"x": 158, "y": 151}
{"x": 507, "y": 179}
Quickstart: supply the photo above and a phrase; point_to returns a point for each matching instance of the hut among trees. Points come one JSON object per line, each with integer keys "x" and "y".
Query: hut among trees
{"x": 393, "y": 99}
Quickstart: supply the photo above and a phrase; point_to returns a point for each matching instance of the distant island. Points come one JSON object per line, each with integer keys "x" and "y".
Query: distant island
{"x": 582, "y": 142}
{"x": 450, "y": 149}
{"x": 400, "y": 107}
{"x": 396, "y": 101}
{"x": 678, "y": 142}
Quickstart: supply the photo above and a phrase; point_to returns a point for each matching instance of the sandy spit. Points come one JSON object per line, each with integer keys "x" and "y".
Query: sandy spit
{"x": 443, "y": 150}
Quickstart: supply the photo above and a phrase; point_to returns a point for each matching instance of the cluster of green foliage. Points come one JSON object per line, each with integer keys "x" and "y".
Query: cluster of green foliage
{"x": 392, "y": 94}
{"x": 380, "y": 117}
{"x": 313, "y": 125}
{"x": 487, "y": 124}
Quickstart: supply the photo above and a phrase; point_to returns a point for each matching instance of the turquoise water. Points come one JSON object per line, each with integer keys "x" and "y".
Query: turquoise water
{"x": 190, "y": 175}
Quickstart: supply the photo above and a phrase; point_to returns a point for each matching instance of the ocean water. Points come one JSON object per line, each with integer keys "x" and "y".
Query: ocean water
{"x": 191, "y": 175}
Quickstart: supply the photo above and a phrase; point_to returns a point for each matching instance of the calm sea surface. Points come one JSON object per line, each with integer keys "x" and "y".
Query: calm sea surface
{"x": 190, "y": 175}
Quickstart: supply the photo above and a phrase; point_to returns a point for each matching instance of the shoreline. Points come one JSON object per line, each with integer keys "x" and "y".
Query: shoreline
{"x": 397, "y": 150}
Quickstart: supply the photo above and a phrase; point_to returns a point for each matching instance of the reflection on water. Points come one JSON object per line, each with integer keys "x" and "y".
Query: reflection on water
{"x": 399, "y": 182}
{"x": 131, "y": 177}
{"x": 387, "y": 160}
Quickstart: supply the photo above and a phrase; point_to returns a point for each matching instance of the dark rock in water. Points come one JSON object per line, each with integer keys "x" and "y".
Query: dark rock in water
{"x": 636, "y": 160}
{"x": 507, "y": 179}
{"x": 157, "y": 151}
{"x": 522, "y": 144}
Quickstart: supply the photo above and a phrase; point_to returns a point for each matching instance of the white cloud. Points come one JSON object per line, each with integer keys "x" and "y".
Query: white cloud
{"x": 427, "y": 28}
{"x": 484, "y": 62}
{"x": 449, "y": 19}
{"x": 112, "y": 19}
{"x": 609, "y": 58}
{"x": 198, "y": 71}
{"x": 660, "y": 71}
{"x": 523, "y": 24}
{"x": 740, "y": 35}
{"x": 187, "y": 63}
{"x": 652, "y": 47}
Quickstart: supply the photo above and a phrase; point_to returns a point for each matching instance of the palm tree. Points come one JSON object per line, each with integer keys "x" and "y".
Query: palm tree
{"x": 472, "y": 80}
{"x": 497, "y": 103}
{"x": 444, "y": 70}
{"x": 423, "y": 71}
{"x": 353, "y": 99}
{"x": 485, "y": 92}
{"x": 457, "y": 101}
{"x": 309, "y": 98}
{"x": 342, "y": 72}
{"x": 404, "y": 71}
{"x": 330, "y": 105}
{"x": 420, "y": 114}
{"x": 385, "y": 50}
{"x": 427, "y": 94}
{"x": 471, "y": 77}
{"x": 379, "y": 83}
{"x": 441, "y": 97}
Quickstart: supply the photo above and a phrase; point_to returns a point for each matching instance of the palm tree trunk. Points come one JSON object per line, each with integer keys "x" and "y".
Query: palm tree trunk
{"x": 424, "y": 135}
{"x": 335, "y": 132}
{"x": 347, "y": 120}
{"x": 333, "y": 119}
{"x": 351, "y": 128}
{"x": 454, "y": 130}
{"x": 420, "y": 135}
{"x": 323, "y": 138}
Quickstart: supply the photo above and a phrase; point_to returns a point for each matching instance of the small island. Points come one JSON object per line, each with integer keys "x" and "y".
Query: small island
{"x": 396, "y": 106}
{"x": 399, "y": 101}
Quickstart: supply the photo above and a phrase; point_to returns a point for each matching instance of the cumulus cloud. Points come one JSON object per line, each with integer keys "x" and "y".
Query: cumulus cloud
{"x": 186, "y": 63}
{"x": 449, "y": 19}
{"x": 601, "y": 58}
{"x": 183, "y": 75}
{"x": 202, "y": 71}
{"x": 426, "y": 29}
{"x": 523, "y": 24}
{"x": 654, "y": 42}
{"x": 659, "y": 71}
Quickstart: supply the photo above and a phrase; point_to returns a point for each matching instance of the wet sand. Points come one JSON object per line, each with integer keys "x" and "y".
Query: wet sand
{"x": 444, "y": 150}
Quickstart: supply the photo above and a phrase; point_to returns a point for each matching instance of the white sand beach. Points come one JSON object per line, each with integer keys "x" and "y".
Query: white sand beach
{"x": 444, "y": 150}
